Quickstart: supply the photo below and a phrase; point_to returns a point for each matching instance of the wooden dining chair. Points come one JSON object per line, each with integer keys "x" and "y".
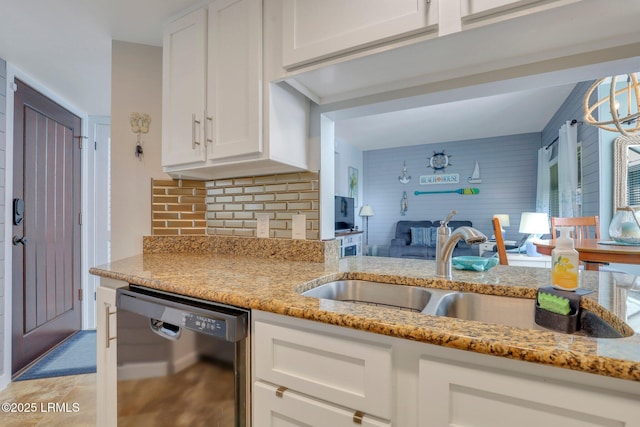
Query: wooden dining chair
{"x": 502, "y": 251}
{"x": 580, "y": 225}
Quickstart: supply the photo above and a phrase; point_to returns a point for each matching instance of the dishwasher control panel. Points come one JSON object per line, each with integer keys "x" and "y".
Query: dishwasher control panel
{"x": 206, "y": 325}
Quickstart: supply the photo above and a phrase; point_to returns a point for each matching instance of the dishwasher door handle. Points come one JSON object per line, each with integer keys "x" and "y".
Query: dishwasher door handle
{"x": 165, "y": 330}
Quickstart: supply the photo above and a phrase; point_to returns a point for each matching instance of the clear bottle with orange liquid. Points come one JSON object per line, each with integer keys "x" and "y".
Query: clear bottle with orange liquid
{"x": 564, "y": 267}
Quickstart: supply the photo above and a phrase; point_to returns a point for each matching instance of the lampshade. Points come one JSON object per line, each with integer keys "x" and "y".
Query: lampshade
{"x": 366, "y": 210}
{"x": 504, "y": 219}
{"x": 534, "y": 223}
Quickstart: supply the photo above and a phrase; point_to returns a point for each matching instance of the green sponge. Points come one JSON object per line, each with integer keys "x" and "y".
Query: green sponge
{"x": 554, "y": 303}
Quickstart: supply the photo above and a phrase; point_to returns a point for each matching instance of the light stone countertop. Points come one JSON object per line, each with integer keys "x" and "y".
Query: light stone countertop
{"x": 275, "y": 285}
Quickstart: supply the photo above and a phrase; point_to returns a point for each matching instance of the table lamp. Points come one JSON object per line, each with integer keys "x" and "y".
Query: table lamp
{"x": 535, "y": 224}
{"x": 504, "y": 221}
{"x": 366, "y": 211}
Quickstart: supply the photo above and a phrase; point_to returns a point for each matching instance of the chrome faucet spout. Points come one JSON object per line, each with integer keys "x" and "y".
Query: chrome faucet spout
{"x": 447, "y": 241}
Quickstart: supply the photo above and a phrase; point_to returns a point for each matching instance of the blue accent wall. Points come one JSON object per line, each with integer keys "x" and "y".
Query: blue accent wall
{"x": 508, "y": 167}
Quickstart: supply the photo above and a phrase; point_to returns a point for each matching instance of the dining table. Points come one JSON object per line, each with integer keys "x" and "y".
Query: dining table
{"x": 596, "y": 252}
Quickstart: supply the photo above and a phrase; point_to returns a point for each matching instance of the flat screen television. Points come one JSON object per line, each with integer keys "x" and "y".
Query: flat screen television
{"x": 344, "y": 215}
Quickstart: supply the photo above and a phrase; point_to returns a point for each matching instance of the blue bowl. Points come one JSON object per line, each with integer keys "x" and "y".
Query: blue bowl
{"x": 474, "y": 263}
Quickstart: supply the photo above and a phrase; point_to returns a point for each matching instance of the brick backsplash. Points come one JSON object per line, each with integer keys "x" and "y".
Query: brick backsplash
{"x": 232, "y": 204}
{"x": 178, "y": 207}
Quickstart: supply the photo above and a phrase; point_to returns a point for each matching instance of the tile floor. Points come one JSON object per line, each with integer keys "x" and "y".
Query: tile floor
{"x": 63, "y": 401}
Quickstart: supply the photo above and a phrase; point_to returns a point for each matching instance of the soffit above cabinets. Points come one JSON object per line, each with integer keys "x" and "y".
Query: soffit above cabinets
{"x": 557, "y": 39}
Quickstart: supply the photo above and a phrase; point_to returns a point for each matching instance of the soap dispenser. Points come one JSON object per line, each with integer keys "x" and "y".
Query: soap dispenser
{"x": 565, "y": 260}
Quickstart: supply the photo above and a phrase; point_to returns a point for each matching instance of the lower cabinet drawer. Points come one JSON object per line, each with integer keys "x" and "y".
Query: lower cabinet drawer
{"x": 293, "y": 408}
{"x": 350, "y": 373}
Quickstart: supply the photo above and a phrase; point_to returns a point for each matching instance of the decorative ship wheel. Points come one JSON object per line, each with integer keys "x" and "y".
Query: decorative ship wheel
{"x": 439, "y": 161}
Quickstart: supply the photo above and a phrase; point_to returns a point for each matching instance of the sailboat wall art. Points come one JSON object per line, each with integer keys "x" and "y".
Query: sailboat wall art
{"x": 475, "y": 177}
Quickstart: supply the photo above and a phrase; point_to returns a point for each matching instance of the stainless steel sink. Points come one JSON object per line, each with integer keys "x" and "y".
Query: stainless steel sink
{"x": 510, "y": 311}
{"x": 518, "y": 312}
{"x": 411, "y": 298}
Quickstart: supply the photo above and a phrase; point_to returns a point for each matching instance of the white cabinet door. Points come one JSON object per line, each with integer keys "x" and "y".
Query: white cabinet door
{"x": 293, "y": 409}
{"x": 183, "y": 89}
{"x": 106, "y": 354}
{"x": 234, "y": 79}
{"x": 482, "y": 9}
{"x": 313, "y": 30}
{"x": 352, "y": 373}
{"x": 456, "y": 395}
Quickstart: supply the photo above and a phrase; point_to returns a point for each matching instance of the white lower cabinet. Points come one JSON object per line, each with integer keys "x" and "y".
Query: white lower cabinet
{"x": 309, "y": 373}
{"x": 106, "y": 355}
{"x": 468, "y": 396}
{"x": 330, "y": 380}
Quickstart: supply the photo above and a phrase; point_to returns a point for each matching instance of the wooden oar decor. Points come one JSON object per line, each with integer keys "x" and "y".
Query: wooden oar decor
{"x": 465, "y": 191}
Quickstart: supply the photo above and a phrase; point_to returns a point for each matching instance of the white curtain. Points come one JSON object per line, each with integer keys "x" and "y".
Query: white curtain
{"x": 544, "y": 180}
{"x": 568, "y": 170}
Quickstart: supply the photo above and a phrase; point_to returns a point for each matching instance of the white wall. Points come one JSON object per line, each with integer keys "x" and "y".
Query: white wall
{"x": 136, "y": 86}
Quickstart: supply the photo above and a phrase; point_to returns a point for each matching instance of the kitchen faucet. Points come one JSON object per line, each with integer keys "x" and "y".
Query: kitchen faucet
{"x": 447, "y": 241}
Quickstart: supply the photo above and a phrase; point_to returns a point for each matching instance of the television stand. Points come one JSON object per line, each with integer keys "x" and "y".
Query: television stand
{"x": 350, "y": 242}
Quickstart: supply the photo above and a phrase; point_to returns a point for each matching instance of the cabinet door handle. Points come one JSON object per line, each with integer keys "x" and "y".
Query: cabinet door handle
{"x": 208, "y": 136}
{"x": 194, "y": 122}
{"x": 106, "y": 323}
{"x": 107, "y": 328}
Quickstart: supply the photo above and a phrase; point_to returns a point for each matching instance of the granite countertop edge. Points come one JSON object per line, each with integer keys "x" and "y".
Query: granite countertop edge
{"x": 282, "y": 296}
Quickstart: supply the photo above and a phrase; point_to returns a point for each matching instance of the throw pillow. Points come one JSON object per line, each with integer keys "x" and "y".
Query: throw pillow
{"x": 420, "y": 236}
{"x": 433, "y": 236}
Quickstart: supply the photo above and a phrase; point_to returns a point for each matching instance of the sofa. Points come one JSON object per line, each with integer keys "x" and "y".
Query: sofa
{"x": 424, "y": 244}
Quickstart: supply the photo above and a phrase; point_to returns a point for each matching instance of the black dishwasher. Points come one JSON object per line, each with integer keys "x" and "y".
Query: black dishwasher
{"x": 181, "y": 361}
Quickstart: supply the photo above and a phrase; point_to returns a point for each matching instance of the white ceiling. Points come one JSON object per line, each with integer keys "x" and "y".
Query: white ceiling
{"x": 498, "y": 115}
{"x": 66, "y": 46}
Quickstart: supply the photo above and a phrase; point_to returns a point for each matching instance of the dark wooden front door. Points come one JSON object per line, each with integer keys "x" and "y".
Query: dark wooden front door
{"x": 46, "y": 228}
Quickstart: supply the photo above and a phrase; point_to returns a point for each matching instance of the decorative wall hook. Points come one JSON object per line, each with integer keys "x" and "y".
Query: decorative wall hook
{"x": 404, "y": 178}
{"x": 139, "y": 124}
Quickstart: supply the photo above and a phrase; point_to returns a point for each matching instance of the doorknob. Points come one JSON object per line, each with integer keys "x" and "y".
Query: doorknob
{"x": 17, "y": 240}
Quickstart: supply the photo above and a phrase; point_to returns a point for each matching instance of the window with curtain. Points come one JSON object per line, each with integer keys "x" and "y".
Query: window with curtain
{"x": 554, "y": 193}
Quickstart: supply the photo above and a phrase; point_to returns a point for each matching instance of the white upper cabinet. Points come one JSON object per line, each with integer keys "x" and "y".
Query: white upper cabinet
{"x": 476, "y": 10}
{"x": 217, "y": 97}
{"x": 234, "y": 71}
{"x": 466, "y": 43}
{"x": 314, "y": 30}
{"x": 183, "y": 96}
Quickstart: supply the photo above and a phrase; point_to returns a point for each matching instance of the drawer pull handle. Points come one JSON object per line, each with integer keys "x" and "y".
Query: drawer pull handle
{"x": 280, "y": 391}
{"x": 357, "y": 417}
